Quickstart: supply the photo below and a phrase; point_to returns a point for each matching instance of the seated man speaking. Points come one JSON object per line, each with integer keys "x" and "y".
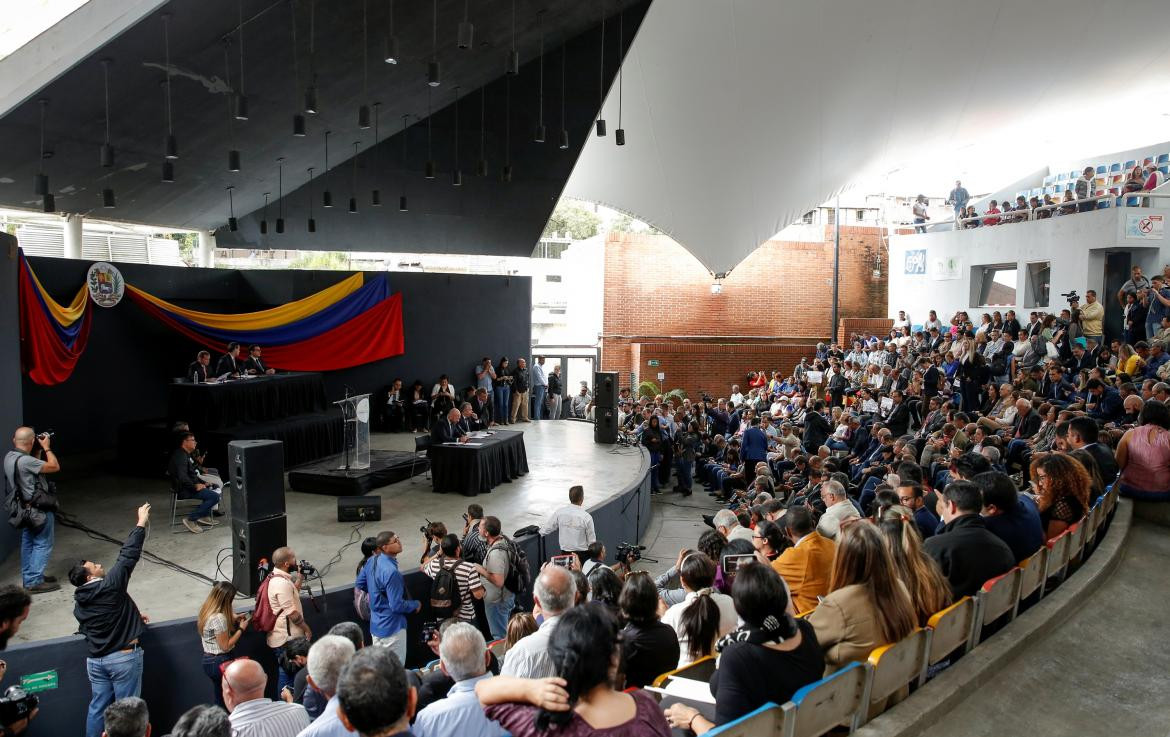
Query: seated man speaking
{"x": 449, "y": 430}
{"x": 255, "y": 364}
{"x": 184, "y": 473}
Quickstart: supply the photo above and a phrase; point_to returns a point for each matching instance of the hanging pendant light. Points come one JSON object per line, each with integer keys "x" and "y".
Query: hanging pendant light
{"x": 429, "y": 169}
{"x": 264, "y": 215}
{"x": 168, "y": 172}
{"x": 481, "y": 166}
{"x": 402, "y": 197}
{"x": 457, "y": 175}
{"x": 353, "y": 182}
{"x": 107, "y": 152}
{"x": 433, "y": 75}
{"x": 375, "y": 193}
{"x": 233, "y": 224}
{"x": 171, "y": 145}
{"x": 466, "y": 29}
{"x": 601, "y": 78}
{"x": 280, "y": 194}
{"x": 539, "y": 135}
{"x": 108, "y": 200}
{"x": 312, "y": 222}
{"x": 311, "y": 88}
{"x": 620, "y": 133}
{"x": 364, "y": 108}
{"x": 326, "y": 195}
{"x": 512, "y": 60}
{"x": 564, "y": 144}
{"x": 41, "y": 180}
{"x": 233, "y": 152}
{"x": 298, "y": 118}
{"x": 506, "y": 172}
{"x": 390, "y": 41}
{"x": 241, "y": 100}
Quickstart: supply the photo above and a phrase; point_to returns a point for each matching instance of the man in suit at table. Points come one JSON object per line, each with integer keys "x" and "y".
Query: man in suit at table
{"x": 469, "y": 419}
{"x": 229, "y": 363}
{"x": 255, "y": 364}
{"x": 449, "y": 430}
{"x": 481, "y": 405}
{"x": 197, "y": 369}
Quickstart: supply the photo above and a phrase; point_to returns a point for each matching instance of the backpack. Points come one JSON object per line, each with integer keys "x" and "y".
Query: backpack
{"x": 445, "y": 598}
{"x": 361, "y": 604}
{"x": 263, "y": 618}
{"x": 519, "y": 577}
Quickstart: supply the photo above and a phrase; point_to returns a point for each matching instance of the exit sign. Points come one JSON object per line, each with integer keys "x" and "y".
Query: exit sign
{"x": 35, "y": 682}
{"x": 652, "y": 362}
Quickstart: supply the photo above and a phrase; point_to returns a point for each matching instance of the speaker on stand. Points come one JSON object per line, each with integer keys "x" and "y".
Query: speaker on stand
{"x": 605, "y": 416}
{"x": 259, "y": 524}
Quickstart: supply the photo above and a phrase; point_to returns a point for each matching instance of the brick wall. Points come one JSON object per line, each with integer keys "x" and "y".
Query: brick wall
{"x": 711, "y": 367}
{"x": 879, "y": 326}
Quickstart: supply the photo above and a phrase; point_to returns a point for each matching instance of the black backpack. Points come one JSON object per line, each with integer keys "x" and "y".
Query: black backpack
{"x": 519, "y": 577}
{"x": 445, "y": 599}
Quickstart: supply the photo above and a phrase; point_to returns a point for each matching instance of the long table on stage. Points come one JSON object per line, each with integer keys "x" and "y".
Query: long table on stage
{"x": 247, "y": 401}
{"x": 478, "y": 466}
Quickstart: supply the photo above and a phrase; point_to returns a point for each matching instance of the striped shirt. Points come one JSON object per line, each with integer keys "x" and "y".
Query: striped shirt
{"x": 268, "y": 718}
{"x": 466, "y": 578}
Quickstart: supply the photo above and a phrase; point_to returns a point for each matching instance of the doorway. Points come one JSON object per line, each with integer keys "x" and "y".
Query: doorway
{"x": 1117, "y": 266}
{"x": 574, "y": 370}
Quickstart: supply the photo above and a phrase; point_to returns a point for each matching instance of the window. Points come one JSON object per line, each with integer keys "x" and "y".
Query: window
{"x": 552, "y": 277}
{"x": 859, "y": 215}
{"x": 830, "y": 216}
{"x": 809, "y": 217}
{"x": 1037, "y": 277}
{"x": 993, "y": 285}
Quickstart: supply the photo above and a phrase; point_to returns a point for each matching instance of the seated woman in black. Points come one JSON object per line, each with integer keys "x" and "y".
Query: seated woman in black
{"x": 419, "y": 402}
{"x": 650, "y": 647}
{"x": 772, "y": 641}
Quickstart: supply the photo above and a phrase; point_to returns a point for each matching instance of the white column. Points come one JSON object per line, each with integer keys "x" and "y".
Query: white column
{"x": 206, "y": 249}
{"x": 73, "y": 236}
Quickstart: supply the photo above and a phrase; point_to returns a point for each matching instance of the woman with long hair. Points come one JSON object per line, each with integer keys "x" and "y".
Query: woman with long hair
{"x": 1062, "y": 491}
{"x": 711, "y": 544}
{"x": 586, "y": 651}
{"x": 929, "y": 590}
{"x": 521, "y": 625}
{"x": 766, "y": 660}
{"x": 704, "y": 614}
{"x": 650, "y": 647}
{"x": 1096, "y": 481}
{"x": 502, "y": 391}
{"x": 605, "y": 587}
{"x": 219, "y": 629}
{"x": 868, "y": 606}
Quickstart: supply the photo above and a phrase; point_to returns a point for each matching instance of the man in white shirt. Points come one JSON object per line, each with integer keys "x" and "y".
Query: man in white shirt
{"x": 573, "y": 522}
{"x": 838, "y": 509}
{"x": 554, "y": 592}
{"x": 327, "y": 657}
{"x": 463, "y": 657}
{"x": 253, "y": 715}
{"x": 727, "y": 523}
{"x": 903, "y": 320}
{"x": 736, "y": 395}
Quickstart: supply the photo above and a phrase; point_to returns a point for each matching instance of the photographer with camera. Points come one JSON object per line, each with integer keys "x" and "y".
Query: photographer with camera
{"x": 17, "y": 708}
{"x": 32, "y": 501}
{"x": 433, "y": 534}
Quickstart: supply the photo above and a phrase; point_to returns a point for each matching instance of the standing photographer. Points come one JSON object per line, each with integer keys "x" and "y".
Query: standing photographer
{"x": 31, "y": 503}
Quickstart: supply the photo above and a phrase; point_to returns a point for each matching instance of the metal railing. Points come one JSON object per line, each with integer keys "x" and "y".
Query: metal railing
{"x": 1023, "y": 216}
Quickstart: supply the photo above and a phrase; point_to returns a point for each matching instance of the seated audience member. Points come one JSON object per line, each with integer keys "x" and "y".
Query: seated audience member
{"x": 523, "y": 624}
{"x": 581, "y": 699}
{"x": 463, "y": 656}
{"x": 649, "y": 646}
{"x": 768, "y": 539}
{"x": 373, "y": 696}
{"x": 1062, "y": 492}
{"x": 469, "y": 420}
{"x": 255, "y": 364}
{"x": 912, "y": 497}
{"x": 553, "y": 592}
{"x": 449, "y": 431}
{"x": 771, "y": 641}
{"x": 253, "y": 715}
{"x": 928, "y": 588}
{"x": 808, "y": 564}
{"x": 968, "y": 554}
{"x": 838, "y": 509}
{"x": 727, "y": 523}
{"x": 126, "y": 717}
{"x": 868, "y": 606}
{"x": 229, "y": 364}
{"x": 203, "y": 721}
{"x": 197, "y": 369}
{"x": 1084, "y": 434}
{"x": 704, "y": 615}
{"x": 1143, "y": 453}
{"x": 605, "y": 588}
{"x": 327, "y": 658}
{"x": 1009, "y": 515}
{"x": 186, "y": 481}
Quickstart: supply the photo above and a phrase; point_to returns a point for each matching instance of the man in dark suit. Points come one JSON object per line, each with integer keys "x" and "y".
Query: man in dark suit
{"x": 898, "y": 420}
{"x": 197, "y": 369}
{"x": 754, "y": 446}
{"x": 1109, "y": 406}
{"x": 966, "y": 551}
{"x": 931, "y": 378}
{"x": 449, "y": 431}
{"x": 1011, "y": 326}
{"x": 1027, "y": 421}
{"x": 816, "y": 428}
{"x": 469, "y": 419}
{"x": 481, "y": 405}
{"x": 229, "y": 364}
{"x": 1083, "y": 433}
{"x": 255, "y": 364}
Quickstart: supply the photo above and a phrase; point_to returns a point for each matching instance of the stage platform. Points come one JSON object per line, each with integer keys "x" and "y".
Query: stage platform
{"x": 329, "y": 476}
{"x": 560, "y": 454}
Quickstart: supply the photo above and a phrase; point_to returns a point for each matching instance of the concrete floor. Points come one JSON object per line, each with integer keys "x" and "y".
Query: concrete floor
{"x": 560, "y": 454}
{"x": 1105, "y": 671}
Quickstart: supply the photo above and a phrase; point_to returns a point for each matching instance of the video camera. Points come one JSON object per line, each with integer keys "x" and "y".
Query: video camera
{"x": 628, "y": 554}
{"x": 1071, "y": 296}
{"x": 16, "y": 704}
{"x": 306, "y": 568}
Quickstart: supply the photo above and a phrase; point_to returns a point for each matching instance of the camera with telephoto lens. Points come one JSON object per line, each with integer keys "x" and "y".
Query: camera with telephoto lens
{"x": 1071, "y": 296}
{"x": 627, "y": 554}
{"x": 16, "y": 704}
{"x": 306, "y": 568}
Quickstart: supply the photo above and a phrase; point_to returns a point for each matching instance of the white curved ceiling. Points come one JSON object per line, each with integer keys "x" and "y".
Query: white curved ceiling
{"x": 743, "y": 114}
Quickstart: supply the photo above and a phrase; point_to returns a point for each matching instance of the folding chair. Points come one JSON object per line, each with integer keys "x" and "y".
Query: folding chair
{"x": 699, "y": 670}
{"x": 768, "y": 719}
{"x": 1032, "y": 576}
{"x": 995, "y": 599}
{"x": 191, "y": 502}
{"x": 950, "y": 630}
{"x": 422, "y": 444}
{"x": 830, "y": 702}
{"x": 895, "y": 666}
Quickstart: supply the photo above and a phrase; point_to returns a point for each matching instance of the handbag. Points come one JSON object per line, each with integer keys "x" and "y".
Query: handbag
{"x": 31, "y": 513}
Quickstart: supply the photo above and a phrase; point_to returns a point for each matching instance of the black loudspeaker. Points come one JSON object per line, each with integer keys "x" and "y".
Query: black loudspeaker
{"x": 256, "y": 468}
{"x": 605, "y": 425}
{"x": 359, "y": 508}
{"x": 605, "y": 389}
{"x": 251, "y": 543}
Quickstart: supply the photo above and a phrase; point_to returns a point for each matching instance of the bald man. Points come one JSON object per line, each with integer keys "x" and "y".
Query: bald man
{"x": 24, "y": 469}
{"x": 253, "y": 715}
{"x": 449, "y": 429}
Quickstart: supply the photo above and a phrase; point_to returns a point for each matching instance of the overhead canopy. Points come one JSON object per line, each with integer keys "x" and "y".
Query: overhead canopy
{"x": 741, "y": 115}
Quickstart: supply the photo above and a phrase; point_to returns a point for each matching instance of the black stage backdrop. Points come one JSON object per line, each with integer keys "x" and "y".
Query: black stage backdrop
{"x": 11, "y": 413}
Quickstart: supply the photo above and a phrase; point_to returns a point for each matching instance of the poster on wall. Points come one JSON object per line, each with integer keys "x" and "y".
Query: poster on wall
{"x": 1143, "y": 226}
{"x": 916, "y": 262}
{"x": 945, "y": 268}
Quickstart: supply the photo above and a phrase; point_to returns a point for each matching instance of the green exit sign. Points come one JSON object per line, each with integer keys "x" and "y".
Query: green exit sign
{"x": 652, "y": 362}
{"x": 43, "y": 681}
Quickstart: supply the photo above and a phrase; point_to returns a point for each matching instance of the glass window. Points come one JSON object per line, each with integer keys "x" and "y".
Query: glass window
{"x": 993, "y": 285}
{"x": 1037, "y": 277}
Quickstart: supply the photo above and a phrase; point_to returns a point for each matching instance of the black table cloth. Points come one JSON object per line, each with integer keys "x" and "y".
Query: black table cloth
{"x": 476, "y": 469}
{"x": 210, "y": 407}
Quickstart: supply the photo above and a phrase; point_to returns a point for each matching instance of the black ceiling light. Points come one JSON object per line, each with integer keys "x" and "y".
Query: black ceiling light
{"x": 375, "y": 193}
{"x": 107, "y": 153}
{"x": 353, "y": 182}
{"x": 171, "y": 147}
{"x": 241, "y": 101}
{"x": 108, "y": 200}
{"x": 233, "y": 152}
{"x": 481, "y": 166}
{"x": 233, "y": 224}
{"x": 512, "y": 60}
{"x": 298, "y": 117}
{"x": 506, "y": 172}
{"x": 429, "y": 169}
{"x": 564, "y": 144}
{"x": 539, "y": 135}
{"x": 620, "y": 133}
{"x": 280, "y": 194}
{"x": 390, "y": 41}
{"x": 466, "y": 29}
{"x": 326, "y": 195}
{"x": 264, "y": 215}
{"x": 312, "y": 222}
{"x": 364, "y": 108}
{"x": 433, "y": 75}
{"x": 41, "y": 180}
{"x": 311, "y": 88}
{"x": 601, "y": 78}
{"x": 457, "y": 175}
{"x": 402, "y": 197}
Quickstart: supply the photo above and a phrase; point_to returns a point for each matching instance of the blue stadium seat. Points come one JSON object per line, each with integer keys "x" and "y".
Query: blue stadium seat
{"x": 1114, "y": 168}
{"x": 1163, "y": 158}
{"x": 1129, "y": 165}
{"x": 1101, "y": 169}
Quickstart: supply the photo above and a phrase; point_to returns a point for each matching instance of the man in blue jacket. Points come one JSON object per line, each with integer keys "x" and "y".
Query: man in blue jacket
{"x": 754, "y": 445}
{"x": 1009, "y": 515}
{"x": 389, "y": 599}
{"x": 1109, "y": 406}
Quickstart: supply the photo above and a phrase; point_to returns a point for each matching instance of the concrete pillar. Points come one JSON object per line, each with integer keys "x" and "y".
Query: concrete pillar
{"x": 206, "y": 249}
{"x": 73, "y": 225}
